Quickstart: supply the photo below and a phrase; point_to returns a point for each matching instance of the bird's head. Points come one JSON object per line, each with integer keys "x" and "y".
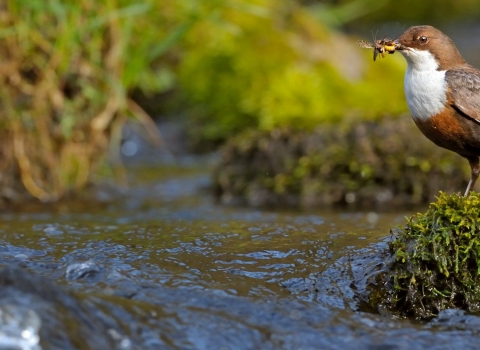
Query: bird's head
{"x": 426, "y": 47}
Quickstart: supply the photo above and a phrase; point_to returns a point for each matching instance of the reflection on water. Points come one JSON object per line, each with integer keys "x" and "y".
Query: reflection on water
{"x": 160, "y": 266}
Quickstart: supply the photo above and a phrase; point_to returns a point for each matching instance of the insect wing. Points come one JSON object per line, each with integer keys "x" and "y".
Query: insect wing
{"x": 365, "y": 44}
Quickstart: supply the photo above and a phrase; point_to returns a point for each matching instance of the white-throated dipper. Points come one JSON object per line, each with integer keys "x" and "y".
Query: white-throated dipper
{"x": 443, "y": 93}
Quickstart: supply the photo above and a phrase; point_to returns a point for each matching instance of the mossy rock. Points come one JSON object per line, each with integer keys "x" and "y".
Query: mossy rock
{"x": 363, "y": 165}
{"x": 435, "y": 261}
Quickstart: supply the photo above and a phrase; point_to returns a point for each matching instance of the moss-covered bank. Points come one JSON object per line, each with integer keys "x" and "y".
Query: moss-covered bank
{"x": 435, "y": 261}
{"x": 365, "y": 165}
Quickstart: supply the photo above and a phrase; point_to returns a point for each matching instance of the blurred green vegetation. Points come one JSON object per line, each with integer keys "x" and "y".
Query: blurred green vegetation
{"x": 69, "y": 68}
{"x": 268, "y": 63}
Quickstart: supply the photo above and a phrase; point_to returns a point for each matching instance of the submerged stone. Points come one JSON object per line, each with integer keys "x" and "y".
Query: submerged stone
{"x": 434, "y": 261}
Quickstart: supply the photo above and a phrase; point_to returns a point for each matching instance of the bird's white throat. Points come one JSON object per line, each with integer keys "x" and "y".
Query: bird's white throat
{"x": 425, "y": 85}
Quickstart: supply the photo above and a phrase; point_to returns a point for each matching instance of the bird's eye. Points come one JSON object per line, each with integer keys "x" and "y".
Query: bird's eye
{"x": 423, "y": 39}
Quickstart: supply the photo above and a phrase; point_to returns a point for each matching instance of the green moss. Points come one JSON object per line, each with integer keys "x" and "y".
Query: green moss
{"x": 435, "y": 260}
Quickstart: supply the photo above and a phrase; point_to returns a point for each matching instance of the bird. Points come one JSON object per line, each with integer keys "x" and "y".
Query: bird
{"x": 443, "y": 93}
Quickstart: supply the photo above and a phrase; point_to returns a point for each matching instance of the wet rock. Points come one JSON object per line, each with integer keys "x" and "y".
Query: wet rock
{"x": 82, "y": 270}
{"x": 34, "y": 310}
{"x": 457, "y": 318}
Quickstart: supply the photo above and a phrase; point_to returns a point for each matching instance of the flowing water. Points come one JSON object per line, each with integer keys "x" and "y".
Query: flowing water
{"x": 160, "y": 266}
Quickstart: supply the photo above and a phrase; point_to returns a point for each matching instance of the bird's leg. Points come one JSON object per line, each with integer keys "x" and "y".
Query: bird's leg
{"x": 475, "y": 166}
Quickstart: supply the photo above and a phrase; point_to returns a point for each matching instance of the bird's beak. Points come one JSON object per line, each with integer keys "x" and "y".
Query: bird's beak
{"x": 399, "y": 46}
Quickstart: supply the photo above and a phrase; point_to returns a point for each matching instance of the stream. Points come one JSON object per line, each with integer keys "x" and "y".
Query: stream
{"x": 159, "y": 265}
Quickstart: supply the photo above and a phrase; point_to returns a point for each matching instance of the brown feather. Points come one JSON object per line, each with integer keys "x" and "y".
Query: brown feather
{"x": 450, "y": 129}
{"x": 464, "y": 90}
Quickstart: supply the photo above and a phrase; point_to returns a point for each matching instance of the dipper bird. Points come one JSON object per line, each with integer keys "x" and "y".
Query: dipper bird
{"x": 443, "y": 93}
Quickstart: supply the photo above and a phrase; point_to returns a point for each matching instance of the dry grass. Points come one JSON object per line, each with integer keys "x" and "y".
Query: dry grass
{"x": 65, "y": 72}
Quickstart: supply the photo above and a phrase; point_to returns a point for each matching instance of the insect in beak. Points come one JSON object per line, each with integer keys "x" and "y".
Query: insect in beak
{"x": 380, "y": 46}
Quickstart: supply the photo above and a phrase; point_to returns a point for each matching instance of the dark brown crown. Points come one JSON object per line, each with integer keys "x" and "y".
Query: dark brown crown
{"x": 430, "y": 39}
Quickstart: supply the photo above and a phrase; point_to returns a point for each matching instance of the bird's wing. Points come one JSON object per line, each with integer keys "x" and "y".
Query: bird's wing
{"x": 464, "y": 90}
